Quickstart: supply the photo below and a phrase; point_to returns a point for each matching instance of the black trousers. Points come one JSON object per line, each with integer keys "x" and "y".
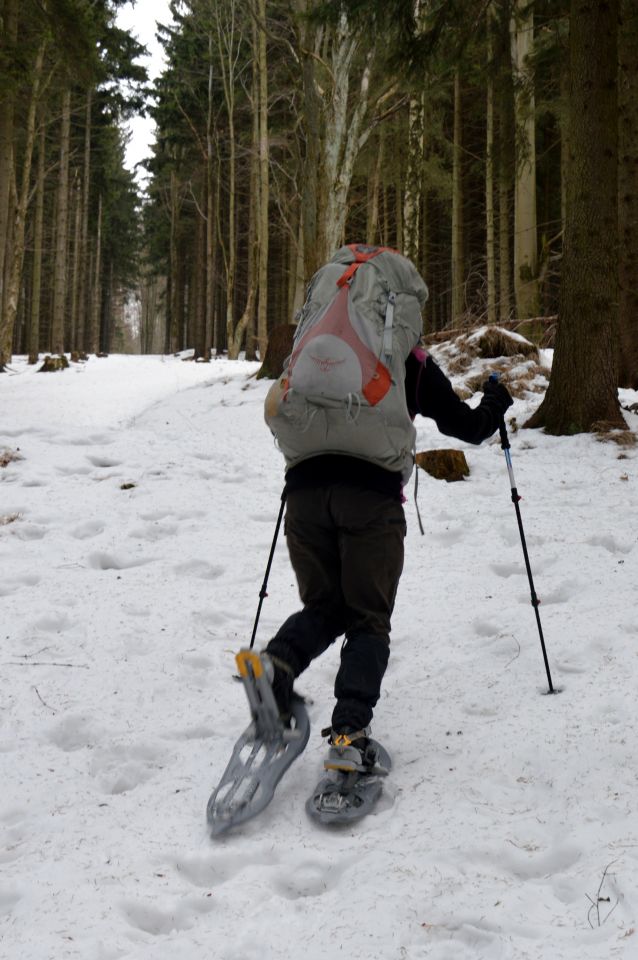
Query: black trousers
{"x": 346, "y": 548}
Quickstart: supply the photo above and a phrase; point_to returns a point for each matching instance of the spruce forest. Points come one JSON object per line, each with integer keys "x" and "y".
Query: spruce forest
{"x": 494, "y": 142}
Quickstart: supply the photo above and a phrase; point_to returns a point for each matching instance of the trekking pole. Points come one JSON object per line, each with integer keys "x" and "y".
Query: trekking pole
{"x": 263, "y": 592}
{"x": 505, "y": 445}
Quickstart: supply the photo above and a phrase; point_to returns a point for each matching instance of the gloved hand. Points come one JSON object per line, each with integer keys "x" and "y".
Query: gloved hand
{"x": 497, "y": 394}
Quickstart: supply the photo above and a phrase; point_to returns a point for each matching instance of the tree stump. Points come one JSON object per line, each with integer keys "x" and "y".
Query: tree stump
{"x": 52, "y": 364}
{"x": 449, "y": 465}
{"x": 278, "y": 350}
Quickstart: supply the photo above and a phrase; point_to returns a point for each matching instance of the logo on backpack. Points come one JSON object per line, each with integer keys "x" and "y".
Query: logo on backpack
{"x": 343, "y": 387}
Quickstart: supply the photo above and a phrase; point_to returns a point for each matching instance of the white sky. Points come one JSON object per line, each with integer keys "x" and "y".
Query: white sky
{"x": 140, "y": 18}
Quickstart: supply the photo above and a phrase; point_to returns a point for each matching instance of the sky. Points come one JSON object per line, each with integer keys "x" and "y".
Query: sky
{"x": 141, "y": 19}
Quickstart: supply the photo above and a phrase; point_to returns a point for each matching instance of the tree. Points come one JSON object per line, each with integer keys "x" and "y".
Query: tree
{"x": 525, "y": 233}
{"x": 583, "y": 386}
{"x": 628, "y": 193}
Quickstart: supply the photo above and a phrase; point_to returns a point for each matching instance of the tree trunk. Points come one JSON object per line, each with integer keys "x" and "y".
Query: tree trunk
{"x": 490, "y": 235}
{"x": 310, "y": 165}
{"x": 335, "y": 130}
{"x": 583, "y": 386}
{"x": 173, "y": 314}
{"x": 264, "y": 183}
{"x": 15, "y": 264}
{"x": 505, "y": 179}
{"x": 198, "y": 284}
{"x": 61, "y": 232}
{"x": 229, "y": 39}
{"x": 628, "y": 192}
{"x": 413, "y": 180}
{"x": 7, "y": 115}
{"x": 525, "y": 233}
{"x": 96, "y": 299}
{"x": 458, "y": 259}
{"x": 374, "y": 183}
{"x": 210, "y": 210}
{"x": 84, "y": 313}
{"x": 74, "y": 333}
{"x": 38, "y": 236}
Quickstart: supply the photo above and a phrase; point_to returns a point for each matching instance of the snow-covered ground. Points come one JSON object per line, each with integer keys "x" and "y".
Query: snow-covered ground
{"x": 133, "y": 539}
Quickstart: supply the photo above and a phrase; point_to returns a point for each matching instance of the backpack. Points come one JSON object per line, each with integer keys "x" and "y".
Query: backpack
{"x": 342, "y": 390}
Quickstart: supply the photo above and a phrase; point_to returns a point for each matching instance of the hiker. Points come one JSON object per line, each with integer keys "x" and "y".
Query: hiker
{"x": 342, "y": 414}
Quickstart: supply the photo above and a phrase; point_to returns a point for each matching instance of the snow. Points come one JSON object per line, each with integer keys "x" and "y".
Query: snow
{"x": 134, "y": 535}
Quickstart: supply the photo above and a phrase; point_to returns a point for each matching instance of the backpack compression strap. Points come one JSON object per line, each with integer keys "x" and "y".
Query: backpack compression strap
{"x": 361, "y": 255}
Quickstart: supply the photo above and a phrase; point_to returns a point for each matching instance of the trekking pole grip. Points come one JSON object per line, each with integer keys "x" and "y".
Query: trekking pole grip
{"x": 502, "y": 429}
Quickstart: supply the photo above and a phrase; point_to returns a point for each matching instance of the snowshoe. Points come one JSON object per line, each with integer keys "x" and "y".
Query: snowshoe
{"x": 264, "y": 751}
{"x": 355, "y": 768}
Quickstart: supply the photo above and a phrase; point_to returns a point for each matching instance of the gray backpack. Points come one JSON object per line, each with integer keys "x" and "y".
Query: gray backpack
{"x": 343, "y": 387}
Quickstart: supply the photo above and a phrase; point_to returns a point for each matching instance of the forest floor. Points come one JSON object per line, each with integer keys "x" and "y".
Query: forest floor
{"x": 134, "y": 534}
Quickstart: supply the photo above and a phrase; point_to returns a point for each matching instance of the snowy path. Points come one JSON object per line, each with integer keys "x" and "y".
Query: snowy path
{"x": 121, "y": 609}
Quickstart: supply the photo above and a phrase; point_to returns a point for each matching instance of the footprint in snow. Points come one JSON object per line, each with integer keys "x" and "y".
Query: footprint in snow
{"x": 16, "y": 833}
{"x": 87, "y": 530}
{"x": 212, "y": 870}
{"x": 610, "y": 544}
{"x": 9, "y": 897}
{"x": 535, "y": 864}
{"x": 13, "y": 584}
{"x": 506, "y": 570}
{"x": 101, "y": 461}
{"x": 108, "y": 561}
{"x": 191, "y": 733}
{"x": 74, "y": 732}
{"x": 54, "y": 623}
{"x": 154, "y": 531}
{"x": 82, "y": 439}
{"x": 28, "y": 531}
{"x": 486, "y": 628}
{"x": 73, "y": 471}
{"x": 199, "y": 569}
{"x": 120, "y": 769}
{"x": 156, "y": 515}
{"x": 160, "y": 921}
{"x": 198, "y": 661}
{"x": 311, "y": 878}
{"x": 35, "y": 481}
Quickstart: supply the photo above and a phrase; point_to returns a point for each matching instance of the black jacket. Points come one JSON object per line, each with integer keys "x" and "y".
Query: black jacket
{"x": 428, "y": 392}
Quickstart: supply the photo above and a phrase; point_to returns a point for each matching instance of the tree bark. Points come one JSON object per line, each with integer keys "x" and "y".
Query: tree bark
{"x": 628, "y": 192}
{"x": 7, "y": 116}
{"x": 210, "y": 210}
{"x": 38, "y": 236}
{"x": 525, "y": 231}
{"x": 458, "y": 258}
{"x": 61, "y": 232}
{"x": 264, "y": 183}
{"x": 96, "y": 299}
{"x": 505, "y": 180}
{"x": 490, "y": 234}
{"x": 74, "y": 332}
{"x": 7, "y": 322}
{"x": 413, "y": 180}
{"x": 84, "y": 313}
{"x": 583, "y": 386}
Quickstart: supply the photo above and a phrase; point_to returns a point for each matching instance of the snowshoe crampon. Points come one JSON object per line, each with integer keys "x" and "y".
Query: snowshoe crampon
{"x": 262, "y": 754}
{"x": 345, "y": 796}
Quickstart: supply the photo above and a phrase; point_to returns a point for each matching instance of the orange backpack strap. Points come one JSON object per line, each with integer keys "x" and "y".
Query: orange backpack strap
{"x": 362, "y": 254}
